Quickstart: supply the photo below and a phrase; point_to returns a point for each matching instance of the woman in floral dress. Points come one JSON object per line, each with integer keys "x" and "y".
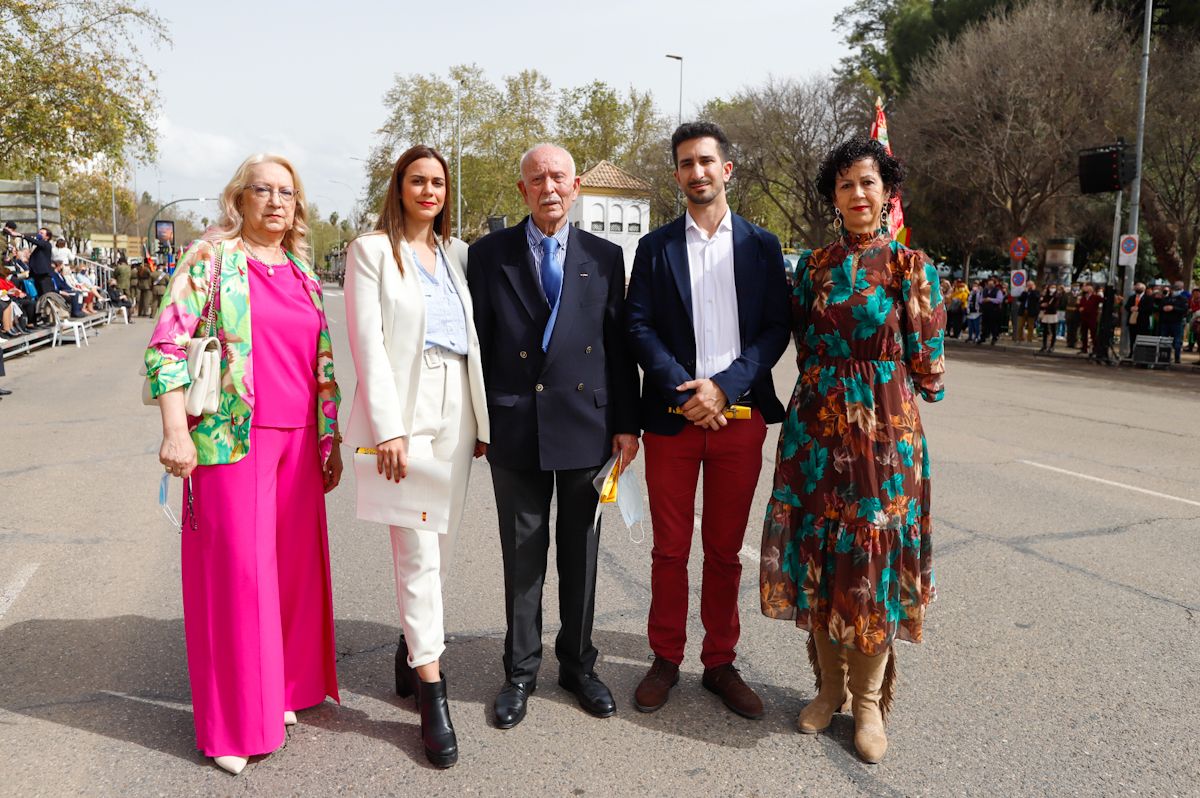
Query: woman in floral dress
{"x": 846, "y": 548}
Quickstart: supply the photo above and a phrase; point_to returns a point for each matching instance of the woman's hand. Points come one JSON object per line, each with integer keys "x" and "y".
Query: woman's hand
{"x": 177, "y": 453}
{"x": 392, "y": 458}
{"x": 333, "y": 469}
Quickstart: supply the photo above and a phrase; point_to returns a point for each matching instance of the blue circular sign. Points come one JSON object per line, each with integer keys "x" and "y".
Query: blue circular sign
{"x": 1129, "y": 245}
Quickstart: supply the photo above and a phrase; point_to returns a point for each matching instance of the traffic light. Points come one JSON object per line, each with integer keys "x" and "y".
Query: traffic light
{"x": 1105, "y": 169}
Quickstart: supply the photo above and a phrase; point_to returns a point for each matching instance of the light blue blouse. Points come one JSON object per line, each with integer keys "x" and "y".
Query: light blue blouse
{"x": 445, "y": 317}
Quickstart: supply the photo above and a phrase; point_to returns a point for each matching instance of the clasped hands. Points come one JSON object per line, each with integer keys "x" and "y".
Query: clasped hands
{"x": 707, "y": 406}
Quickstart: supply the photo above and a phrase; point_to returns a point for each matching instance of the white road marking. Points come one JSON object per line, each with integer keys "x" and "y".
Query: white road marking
{"x": 1154, "y": 493}
{"x": 8, "y": 595}
{"x": 158, "y": 702}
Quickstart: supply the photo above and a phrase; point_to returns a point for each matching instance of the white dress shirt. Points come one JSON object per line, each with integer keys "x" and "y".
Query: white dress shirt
{"x": 714, "y": 297}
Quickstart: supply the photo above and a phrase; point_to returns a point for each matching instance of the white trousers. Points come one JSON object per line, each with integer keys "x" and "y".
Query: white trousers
{"x": 443, "y": 427}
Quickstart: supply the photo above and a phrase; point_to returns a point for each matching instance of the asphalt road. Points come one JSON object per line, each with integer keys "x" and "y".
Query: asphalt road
{"x": 1061, "y": 657}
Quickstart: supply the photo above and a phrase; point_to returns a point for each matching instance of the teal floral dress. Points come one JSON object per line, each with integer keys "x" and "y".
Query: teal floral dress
{"x": 846, "y": 543}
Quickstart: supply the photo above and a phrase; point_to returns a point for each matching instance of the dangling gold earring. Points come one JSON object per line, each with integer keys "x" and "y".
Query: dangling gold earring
{"x": 837, "y": 221}
{"x": 885, "y": 217}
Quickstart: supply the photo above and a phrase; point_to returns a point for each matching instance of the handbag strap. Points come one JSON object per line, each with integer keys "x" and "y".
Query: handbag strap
{"x": 214, "y": 292}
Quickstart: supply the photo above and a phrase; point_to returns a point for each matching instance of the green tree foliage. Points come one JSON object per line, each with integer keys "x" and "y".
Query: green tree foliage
{"x": 87, "y": 205}
{"x": 500, "y": 122}
{"x": 73, "y": 88}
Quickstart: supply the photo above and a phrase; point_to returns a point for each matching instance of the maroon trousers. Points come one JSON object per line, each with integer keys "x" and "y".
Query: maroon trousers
{"x": 732, "y": 459}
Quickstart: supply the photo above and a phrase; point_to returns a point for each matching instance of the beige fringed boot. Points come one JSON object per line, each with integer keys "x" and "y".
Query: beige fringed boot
{"x": 871, "y": 681}
{"x": 829, "y": 665}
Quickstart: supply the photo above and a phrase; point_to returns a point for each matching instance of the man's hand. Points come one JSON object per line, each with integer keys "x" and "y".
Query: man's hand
{"x": 480, "y": 449}
{"x": 627, "y": 445}
{"x": 708, "y": 402}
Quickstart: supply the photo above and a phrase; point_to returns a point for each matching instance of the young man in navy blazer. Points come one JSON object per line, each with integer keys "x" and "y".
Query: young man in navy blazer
{"x": 562, "y": 399}
{"x": 708, "y": 316}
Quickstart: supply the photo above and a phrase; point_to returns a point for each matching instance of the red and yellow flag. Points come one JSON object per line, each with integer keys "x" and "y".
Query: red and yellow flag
{"x": 879, "y": 132}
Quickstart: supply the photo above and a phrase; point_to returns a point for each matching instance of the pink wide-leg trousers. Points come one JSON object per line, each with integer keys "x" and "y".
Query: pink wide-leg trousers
{"x": 257, "y": 597}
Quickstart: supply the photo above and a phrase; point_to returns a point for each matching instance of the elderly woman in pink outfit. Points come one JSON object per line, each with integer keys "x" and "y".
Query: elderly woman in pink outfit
{"x": 257, "y": 598}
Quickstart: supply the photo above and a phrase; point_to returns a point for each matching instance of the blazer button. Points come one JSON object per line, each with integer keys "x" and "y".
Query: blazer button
{"x": 587, "y": 351}
{"x": 524, "y": 354}
{"x": 579, "y": 387}
{"x": 539, "y": 388}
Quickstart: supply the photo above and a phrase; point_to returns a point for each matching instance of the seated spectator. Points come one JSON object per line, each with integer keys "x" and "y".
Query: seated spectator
{"x": 64, "y": 289}
{"x": 23, "y": 305}
{"x": 86, "y": 286}
{"x": 61, "y": 253}
{"x": 119, "y": 299}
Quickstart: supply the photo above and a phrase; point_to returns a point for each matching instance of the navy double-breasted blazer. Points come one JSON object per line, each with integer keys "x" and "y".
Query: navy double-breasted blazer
{"x": 559, "y": 409}
{"x": 659, "y": 319}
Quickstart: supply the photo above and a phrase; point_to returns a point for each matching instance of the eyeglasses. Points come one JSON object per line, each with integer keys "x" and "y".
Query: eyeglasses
{"x": 286, "y": 195}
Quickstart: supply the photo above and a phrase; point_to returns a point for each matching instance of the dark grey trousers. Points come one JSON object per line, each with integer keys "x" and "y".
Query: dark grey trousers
{"x": 523, "y": 505}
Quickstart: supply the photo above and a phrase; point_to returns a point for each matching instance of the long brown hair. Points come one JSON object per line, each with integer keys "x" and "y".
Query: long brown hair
{"x": 391, "y": 220}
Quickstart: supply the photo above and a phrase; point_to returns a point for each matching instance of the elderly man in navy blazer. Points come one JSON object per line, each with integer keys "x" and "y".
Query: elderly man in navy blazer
{"x": 708, "y": 316}
{"x": 562, "y": 396}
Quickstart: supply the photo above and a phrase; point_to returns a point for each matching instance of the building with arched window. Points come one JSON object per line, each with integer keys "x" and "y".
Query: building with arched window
{"x": 615, "y": 205}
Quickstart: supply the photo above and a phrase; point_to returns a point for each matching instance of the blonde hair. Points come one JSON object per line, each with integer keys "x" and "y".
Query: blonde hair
{"x": 229, "y": 225}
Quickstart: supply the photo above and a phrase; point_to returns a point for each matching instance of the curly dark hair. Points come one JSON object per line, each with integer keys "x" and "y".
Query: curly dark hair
{"x": 849, "y": 152}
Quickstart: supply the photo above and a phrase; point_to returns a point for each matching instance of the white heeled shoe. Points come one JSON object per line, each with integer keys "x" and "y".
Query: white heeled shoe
{"x": 289, "y": 718}
{"x": 233, "y": 764}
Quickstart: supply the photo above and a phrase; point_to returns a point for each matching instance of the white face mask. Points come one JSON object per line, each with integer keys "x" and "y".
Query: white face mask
{"x": 629, "y": 499}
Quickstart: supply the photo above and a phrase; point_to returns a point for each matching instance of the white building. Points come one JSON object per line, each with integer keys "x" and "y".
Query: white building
{"x": 615, "y": 205}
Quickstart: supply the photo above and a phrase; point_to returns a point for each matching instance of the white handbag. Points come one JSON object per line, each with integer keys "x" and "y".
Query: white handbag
{"x": 419, "y": 501}
{"x": 202, "y": 396}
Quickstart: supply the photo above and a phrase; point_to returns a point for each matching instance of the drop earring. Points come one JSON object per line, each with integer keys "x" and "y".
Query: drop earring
{"x": 837, "y": 221}
{"x": 884, "y": 217}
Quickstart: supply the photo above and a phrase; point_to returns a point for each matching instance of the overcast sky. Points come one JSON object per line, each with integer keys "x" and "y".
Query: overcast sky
{"x": 307, "y": 79}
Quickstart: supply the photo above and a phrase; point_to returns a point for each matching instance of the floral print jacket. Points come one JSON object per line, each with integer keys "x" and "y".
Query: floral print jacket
{"x": 224, "y": 436}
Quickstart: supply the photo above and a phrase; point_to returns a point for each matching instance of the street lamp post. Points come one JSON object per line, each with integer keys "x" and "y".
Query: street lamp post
{"x": 458, "y": 160}
{"x": 1135, "y": 195}
{"x": 679, "y": 118}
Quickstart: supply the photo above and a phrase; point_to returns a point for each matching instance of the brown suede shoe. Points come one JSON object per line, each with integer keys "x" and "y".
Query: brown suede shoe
{"x": 656, "y": 685}
{"x": 725, "y": 681}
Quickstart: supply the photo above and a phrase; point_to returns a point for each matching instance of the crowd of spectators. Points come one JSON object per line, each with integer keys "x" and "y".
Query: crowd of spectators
{"x": 1074, "y": 314}
{"x": 41, "y": 280}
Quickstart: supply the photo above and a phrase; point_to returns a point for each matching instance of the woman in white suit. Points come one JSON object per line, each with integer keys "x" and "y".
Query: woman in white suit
{"x": 419, "y": 394}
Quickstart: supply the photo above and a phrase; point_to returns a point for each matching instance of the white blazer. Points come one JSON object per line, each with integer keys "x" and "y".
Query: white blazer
{"x": 385, "y": 312}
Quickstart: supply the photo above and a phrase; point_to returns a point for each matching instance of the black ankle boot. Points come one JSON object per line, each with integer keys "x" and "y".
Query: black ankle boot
{"x": 404, "y": 674}
{"x": 437, "y": 732}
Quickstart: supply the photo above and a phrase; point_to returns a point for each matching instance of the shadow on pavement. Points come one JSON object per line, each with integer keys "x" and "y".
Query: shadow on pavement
{"x": 125, "y": 678}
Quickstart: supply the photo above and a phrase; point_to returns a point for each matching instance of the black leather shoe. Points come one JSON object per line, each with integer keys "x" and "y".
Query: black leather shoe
{"x": 437, "y": 732}
{"x": 510, "y": 703}
{"x": 592, "y": 694}
{"x": 405, "y": 677}
{"x": 5, "y": 392}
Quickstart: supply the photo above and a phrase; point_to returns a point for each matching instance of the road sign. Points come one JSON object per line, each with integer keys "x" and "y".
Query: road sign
{"x": 1019, "y": 248}
{"x": 1017, "y": 281}
{"x": 1129, "y": 250}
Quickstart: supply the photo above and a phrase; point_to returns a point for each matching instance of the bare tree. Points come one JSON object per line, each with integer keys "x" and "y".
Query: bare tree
{"x": 1171, "y": 167}
{"x": 780, "y": 132}
{"x": 1002, "y": 110}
